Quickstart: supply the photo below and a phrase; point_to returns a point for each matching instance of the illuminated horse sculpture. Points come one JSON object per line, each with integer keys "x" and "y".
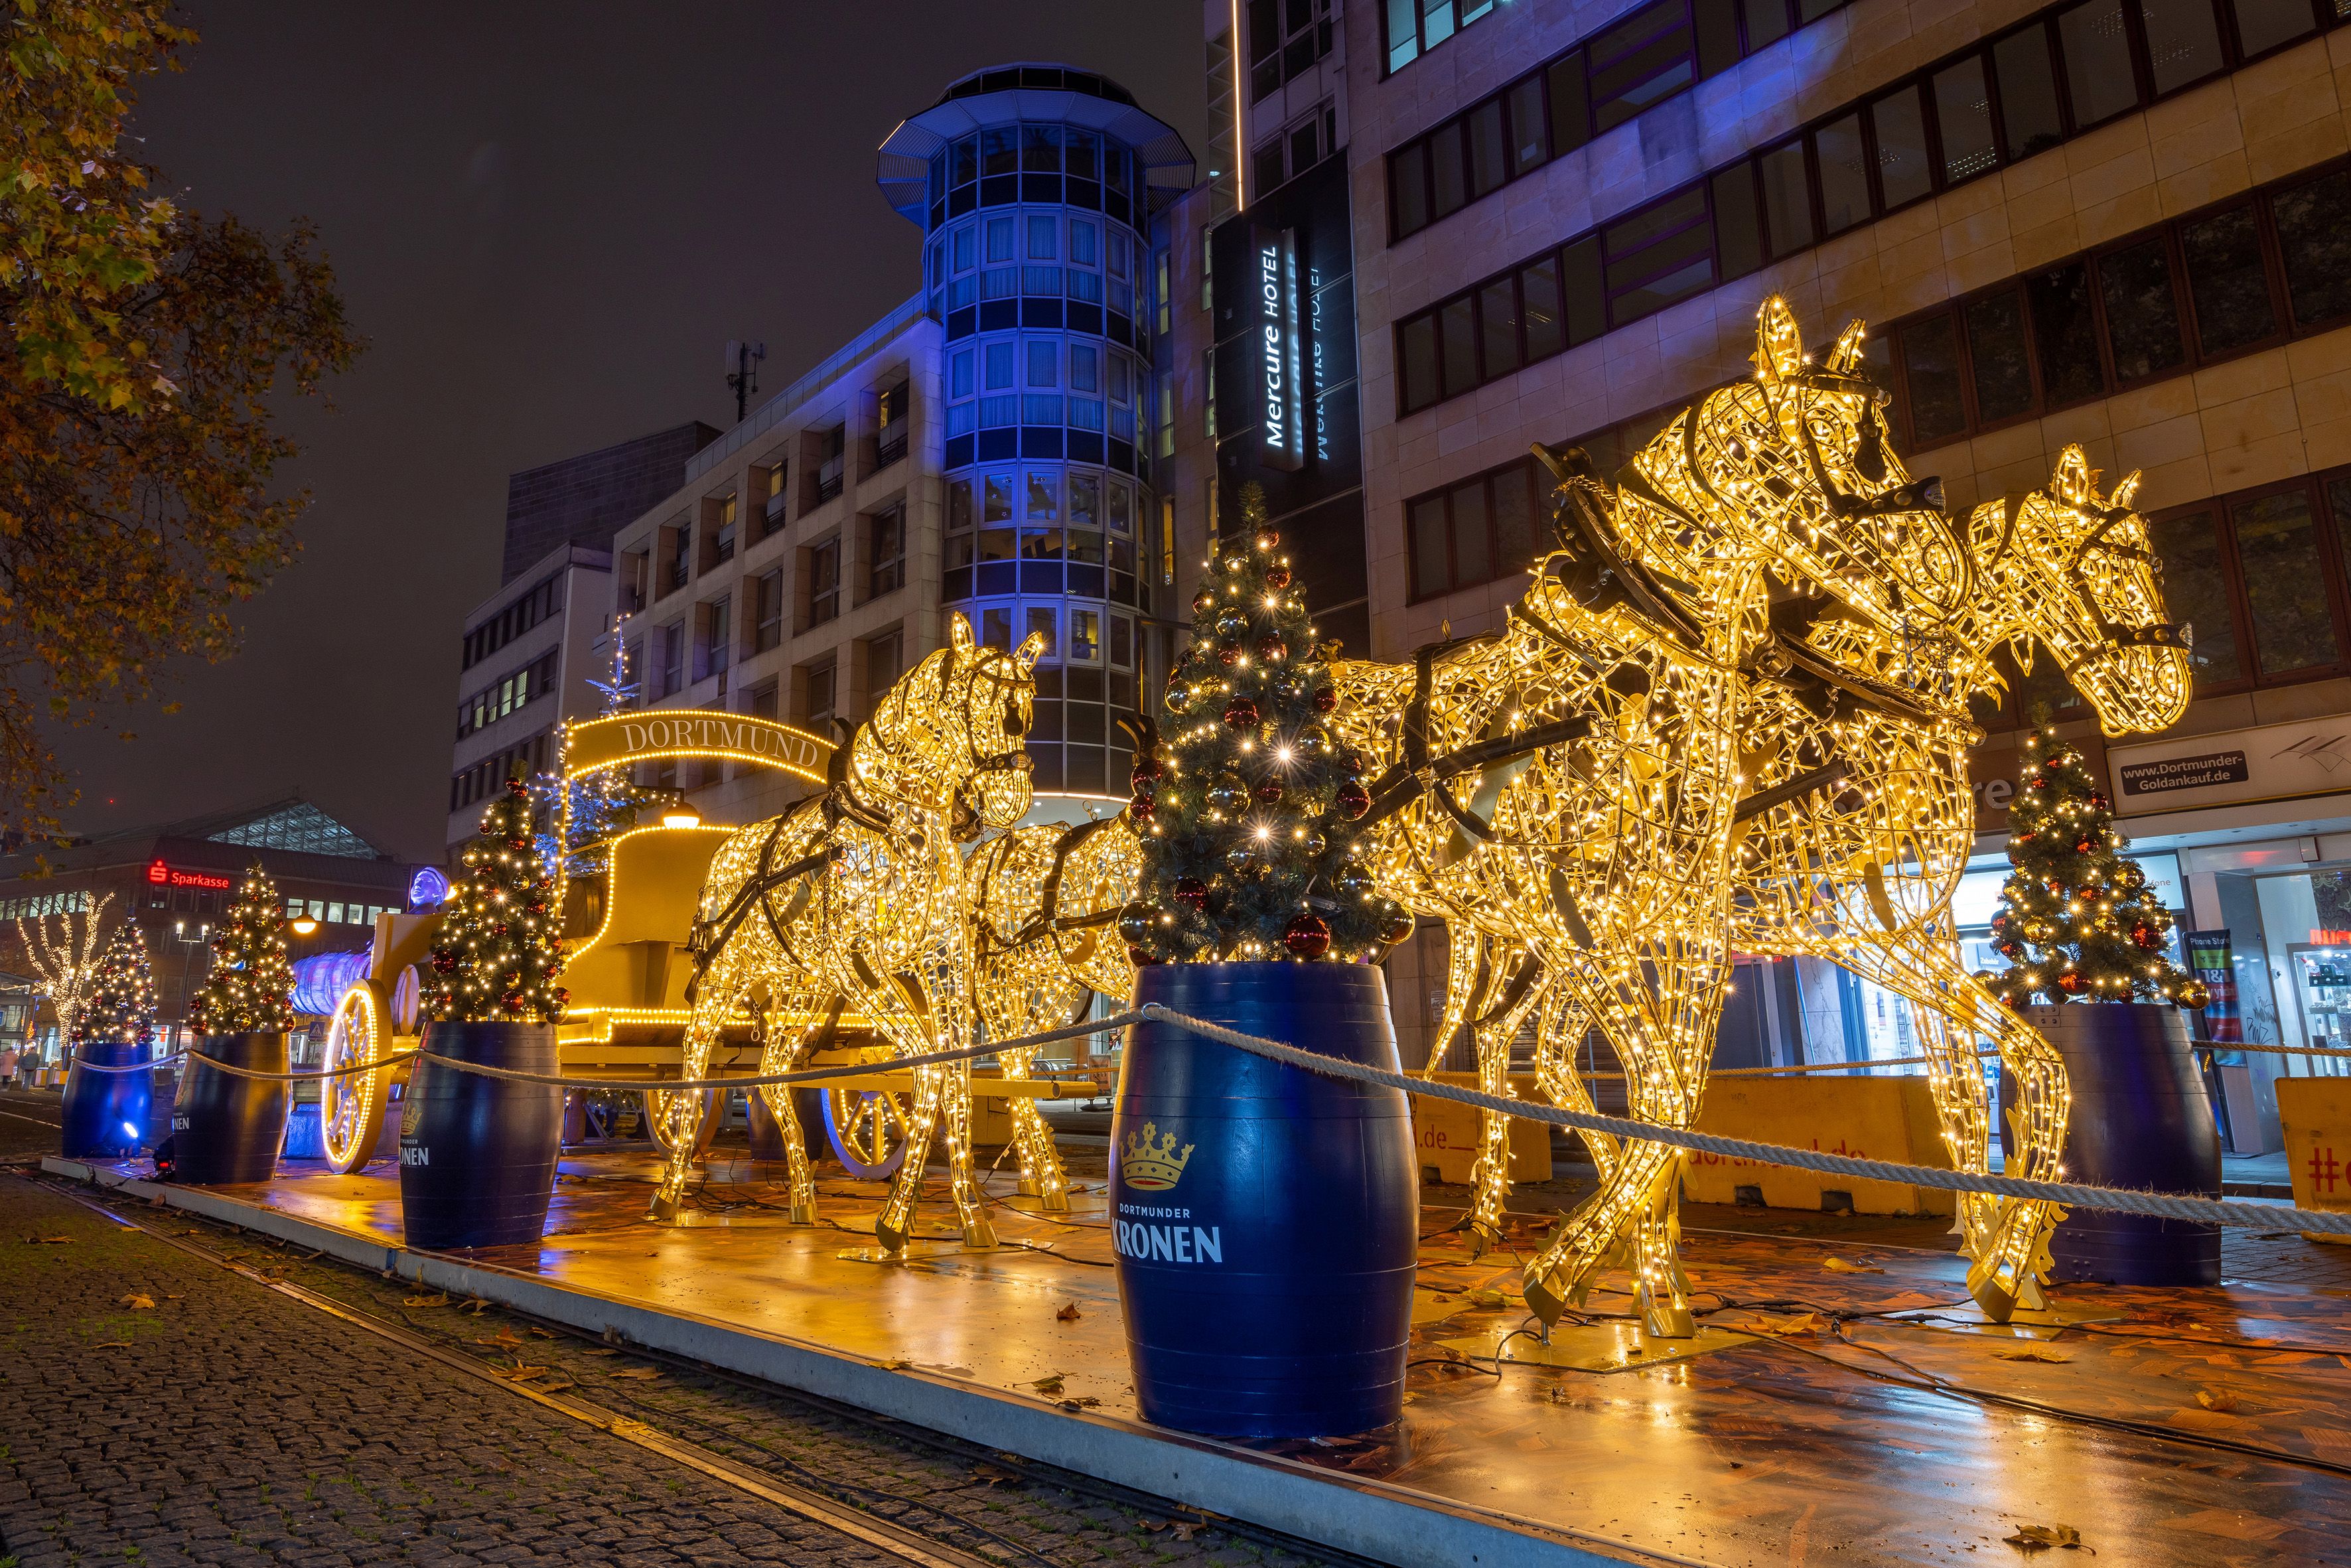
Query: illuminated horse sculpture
{"x": 1045, "y": 901}
{"x": 1599, "y": 736}
{"x": 1857, "y": 755}
{"x": 855, "y": 898}
{"x": 1857, "y": 821}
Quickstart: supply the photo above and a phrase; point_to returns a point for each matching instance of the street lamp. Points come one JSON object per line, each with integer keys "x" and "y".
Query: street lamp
{"x": 187, "y": 945}
{"x": 303, "y": 924}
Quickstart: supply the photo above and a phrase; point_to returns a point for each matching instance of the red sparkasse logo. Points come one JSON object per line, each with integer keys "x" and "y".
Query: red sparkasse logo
{"x": 162, "y": 875}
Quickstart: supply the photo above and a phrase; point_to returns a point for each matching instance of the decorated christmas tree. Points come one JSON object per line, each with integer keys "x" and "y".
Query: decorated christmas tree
{"x": 121, "y": 1005}
{"x": 604, "y": 804}
{"x": 251, "y": 987}
{"x": 1246, "y": 802}
{"x": 2077, "y": 922}
{"x": 498, "y": 954}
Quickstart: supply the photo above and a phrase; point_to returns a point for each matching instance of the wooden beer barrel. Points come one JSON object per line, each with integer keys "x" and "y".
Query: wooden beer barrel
{"x": 226, "y": 1128}
{"x": 106, "y": 1112}
{"x": 477, "y": 1154}
{"x": 1265, "y": 1217}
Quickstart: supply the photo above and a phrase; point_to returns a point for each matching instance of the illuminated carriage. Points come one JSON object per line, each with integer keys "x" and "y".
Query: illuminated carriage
{"x": 627, "y": 923}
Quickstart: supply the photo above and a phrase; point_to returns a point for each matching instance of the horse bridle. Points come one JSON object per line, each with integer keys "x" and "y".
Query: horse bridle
{"x": 2154, "y": 634}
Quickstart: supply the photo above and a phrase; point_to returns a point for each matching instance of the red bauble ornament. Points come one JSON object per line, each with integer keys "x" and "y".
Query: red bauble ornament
{"x": 2143, "y": 935}
{"x": 1306, "y": 935}
{"x": 2084, "y": 846}
{"x": 1229, "y": 654}
{"x": 2072, "y": 982}
{"x": 1352, "y": 801}
{"x": 1242, "y": 713}
{"x": 1142, "y": 805}
{"x": 1192, "y": 892}
{"x": 1267, "y": 539}
{"x": 1268, "y": 792}
{"x": 1326, "y": 698}
{"x": 1146, "y": 770}
{"x": 2098, "y": 801}
{"x": 1202, "y": 600}
{"x": 1272, "y": 649}
{"x": 1277, "y": 576}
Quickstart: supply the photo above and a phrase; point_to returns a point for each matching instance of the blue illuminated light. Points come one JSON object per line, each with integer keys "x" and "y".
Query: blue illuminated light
{"x": 320, "y": 982}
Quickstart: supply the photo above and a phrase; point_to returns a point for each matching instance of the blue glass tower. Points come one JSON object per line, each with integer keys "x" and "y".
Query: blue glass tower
{"x": 1034, "y": 185}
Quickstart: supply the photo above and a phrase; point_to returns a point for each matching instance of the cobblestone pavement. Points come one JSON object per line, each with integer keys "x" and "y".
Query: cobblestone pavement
{"x": 228, "y": 1423}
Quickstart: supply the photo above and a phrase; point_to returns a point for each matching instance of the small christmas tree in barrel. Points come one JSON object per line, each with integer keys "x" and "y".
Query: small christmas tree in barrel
{"x": 251, "y": 987}
{"x": 2077, "y": 922}
{"x": 1299, "y": 1190}
{"x": 498, "y": 954}
{"x": 1247, "y": 803}
{"x": 121, "y": 1007}
{"x": 478, "y": 1152}
{"x": 231, "y": 1126}
{"x": 107, "y": 1112}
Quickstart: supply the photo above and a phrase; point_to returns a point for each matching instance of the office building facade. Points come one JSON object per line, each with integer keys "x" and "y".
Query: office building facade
{"x": 985, "y": 450}
{"x": 2111, "y": 221}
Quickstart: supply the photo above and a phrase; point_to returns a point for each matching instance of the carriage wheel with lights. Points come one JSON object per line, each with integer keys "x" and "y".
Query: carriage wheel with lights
{"x": 351, "y": 1104}
{"x": 657, "y": 1112}
{"x": 867, "y": 1129}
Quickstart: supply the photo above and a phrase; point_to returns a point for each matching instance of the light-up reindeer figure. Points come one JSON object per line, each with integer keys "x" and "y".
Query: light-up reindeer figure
{"x": 855, "y": 898}
{"x": 1859, "y": 747}
{"x": 1045, "y": 902}
{"x": 1603, "y": 725}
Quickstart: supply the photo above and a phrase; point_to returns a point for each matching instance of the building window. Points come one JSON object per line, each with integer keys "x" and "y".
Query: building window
{"x": 722, "y": 532}
{"x": 890, "y": 438}
{"x": 1475, "y": 531}
{"x": 824, "y": 582}
{"x": 1286, "y": 37}
{"x": 885, "y": 551}
{"x": 760, "y": 701}
{"x": 833, "y": 464}
{"x": 712, "y": 640}
{"x": 771, "y": 481}
{"x": 678, "y": 560}
{"x": 2228, "y": 280}
{"x": 883, "y": 665}
{"x": 1855, "y": 165}
{"x": 768, "y": 610}
{"x": 817, "y": 696}
{"x": 672, "y": 647}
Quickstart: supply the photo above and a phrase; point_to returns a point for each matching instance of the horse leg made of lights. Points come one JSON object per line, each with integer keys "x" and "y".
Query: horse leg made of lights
{"x": 1044, "y": 901}
{"x": 858, "y": 893}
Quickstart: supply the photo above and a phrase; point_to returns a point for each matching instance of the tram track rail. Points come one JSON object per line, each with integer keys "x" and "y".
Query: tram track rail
{"x": 636, "y": 1424}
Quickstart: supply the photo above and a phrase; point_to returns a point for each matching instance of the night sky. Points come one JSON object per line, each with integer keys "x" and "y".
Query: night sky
{"x": 547, "y": 220}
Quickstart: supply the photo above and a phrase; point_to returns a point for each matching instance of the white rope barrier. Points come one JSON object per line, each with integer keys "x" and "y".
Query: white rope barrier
{"x": 2166, "y": 1206}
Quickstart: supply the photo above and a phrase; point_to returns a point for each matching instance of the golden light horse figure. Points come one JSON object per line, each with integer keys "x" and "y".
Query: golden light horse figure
{"x": 1872, "y": 814}
{"x": 1858, "y": 820}
{"x": 1045, "y": 902}
{"x": 855, "y": 898}
{"x": 1597, "y": 735}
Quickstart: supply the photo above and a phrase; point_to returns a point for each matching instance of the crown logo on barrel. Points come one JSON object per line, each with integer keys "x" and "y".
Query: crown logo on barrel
{"x": 1149, "y": 1162}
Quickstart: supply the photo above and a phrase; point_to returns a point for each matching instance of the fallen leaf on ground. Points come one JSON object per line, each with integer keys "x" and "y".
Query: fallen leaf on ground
{"x": 1080, "y": 1402}
{"x": 600, "y": 1352}
{"x": 542, "y": 1334}
{"x": 989, "y": 1475}
{"x": 2219, "y": 1399}
{"x": 502, "y": 1339}
{"x": 138, "y": 1301}
{"x": 112, "y": 1344}
{"x": 1770, "y": 1323}
{"x": 2023, "y": 1355}
{"x": 521, "y": 1373}
{"x": 2042, "y": 1537}
{"x": 556, "y": 1388}
{"x": 641, "y": 1374}
{"x": 48, "y": 1240}
{"x": 438, "y": 1301}
{"x": 476, "y": 1306}
{"x": 1069, "y": 1313}
{"x": 1843, "y": 1266}
{"x": 176, "y": 1298}
{"x": 1049, "y": 1385}
{"x": 1185, "y": 1529}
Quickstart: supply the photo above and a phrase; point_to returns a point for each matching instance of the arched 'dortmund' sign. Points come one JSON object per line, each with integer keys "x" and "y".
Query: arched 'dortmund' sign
{"x": 624, "y": 739}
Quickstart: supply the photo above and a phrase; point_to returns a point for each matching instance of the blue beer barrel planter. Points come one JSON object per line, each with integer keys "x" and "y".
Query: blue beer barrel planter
{"x": 106, "y": 1112}
{"x": 1265, "y": 1217}
{"x": 477, "y": 1154}
{"x": 2140, "y": 1120}
{"x": 226, "y": 1128}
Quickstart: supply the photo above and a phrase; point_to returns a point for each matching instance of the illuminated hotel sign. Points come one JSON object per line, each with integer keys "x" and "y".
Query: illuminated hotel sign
{"x": 162, "y": 875}
{"x": 631, "y": 737}
{"x": 1278, "y": 348}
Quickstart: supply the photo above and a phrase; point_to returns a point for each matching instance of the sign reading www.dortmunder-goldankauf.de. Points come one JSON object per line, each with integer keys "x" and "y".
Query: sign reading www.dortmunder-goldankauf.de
{"x": 2273, "y": 762}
